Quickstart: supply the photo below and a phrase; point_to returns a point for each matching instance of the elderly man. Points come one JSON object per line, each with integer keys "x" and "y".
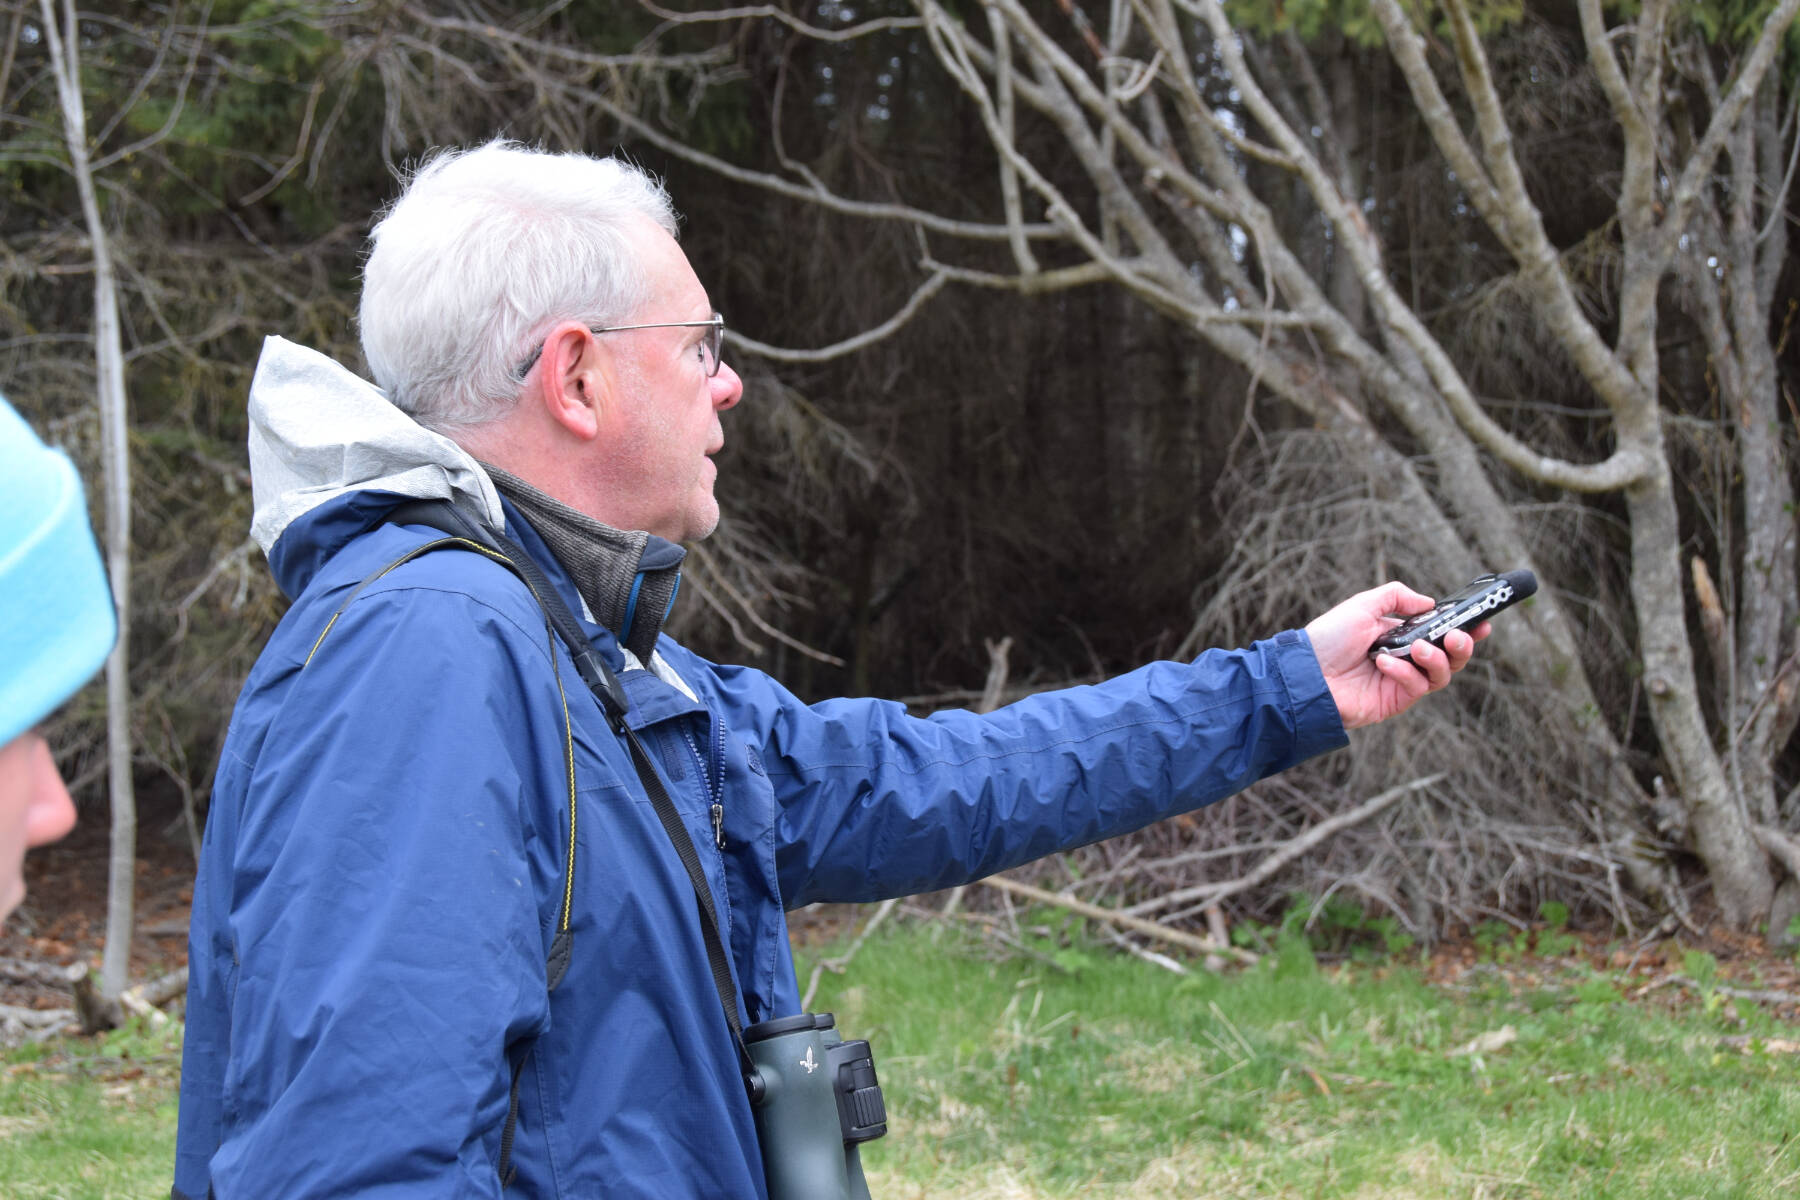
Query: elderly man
{"x": 462, "y": 926}
{"x": 56, "y": 627}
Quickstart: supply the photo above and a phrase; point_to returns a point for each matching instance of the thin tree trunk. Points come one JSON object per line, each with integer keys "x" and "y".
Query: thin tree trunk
{"x": 1760, "y": 723}
{"x": 109, "y": 361}
{"x": 1739, "y": 870}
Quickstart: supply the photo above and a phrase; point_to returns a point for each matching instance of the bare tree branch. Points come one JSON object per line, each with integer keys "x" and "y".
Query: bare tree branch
{"x": 1782, "y": 847}
{"x": 815, "y": 194}
{"x": 1212, "y": 893}
{"x": 175, "y": 108}
{"x": 1698, "y": 168}
{"x": 770, "y": 11}
{"x": 281, "y": 173}
{"x": 499, "y": 35}
{"x": 749, "y": 610}
{"x": 1008, "y": 117}
{"x": 867, "y": 337}
{"x": 1509, "y": 212}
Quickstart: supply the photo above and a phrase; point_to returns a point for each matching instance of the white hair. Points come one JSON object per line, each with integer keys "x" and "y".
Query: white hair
{"x": 483, "y": 251}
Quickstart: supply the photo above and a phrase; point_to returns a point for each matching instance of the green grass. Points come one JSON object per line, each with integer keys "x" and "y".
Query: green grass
{"x": 1023, "y": 1079}
{"x": 90, "y": 1119}
{"x": 1101, "y": 1076}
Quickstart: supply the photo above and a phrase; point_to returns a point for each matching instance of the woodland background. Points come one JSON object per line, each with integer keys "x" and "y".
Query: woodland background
{"x": 1075, "y": 334}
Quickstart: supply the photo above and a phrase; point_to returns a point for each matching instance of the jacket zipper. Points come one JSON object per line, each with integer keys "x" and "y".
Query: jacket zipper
{"x": 713, "y": 783}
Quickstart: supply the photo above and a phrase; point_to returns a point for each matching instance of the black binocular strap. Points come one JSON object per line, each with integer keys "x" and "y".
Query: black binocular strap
{"x": 445, "y": 516}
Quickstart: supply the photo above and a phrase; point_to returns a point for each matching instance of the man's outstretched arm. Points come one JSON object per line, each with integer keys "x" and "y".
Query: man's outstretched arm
{"x": 874, "y": 802}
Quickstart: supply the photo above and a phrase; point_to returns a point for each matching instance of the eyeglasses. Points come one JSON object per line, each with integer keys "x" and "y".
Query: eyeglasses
{"x": 709, "y": 346}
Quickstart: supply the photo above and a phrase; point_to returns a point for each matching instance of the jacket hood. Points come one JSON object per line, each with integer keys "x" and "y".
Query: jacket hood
{"x": 318, "y": 433}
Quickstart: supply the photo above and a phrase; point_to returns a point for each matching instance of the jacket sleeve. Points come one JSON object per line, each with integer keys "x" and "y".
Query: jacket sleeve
{"x": 871, "y": 802}
{"x": 393, "y": 846}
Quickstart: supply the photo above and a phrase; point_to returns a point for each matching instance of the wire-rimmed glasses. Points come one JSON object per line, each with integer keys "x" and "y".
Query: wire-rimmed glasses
{"x": 709, "y": 346}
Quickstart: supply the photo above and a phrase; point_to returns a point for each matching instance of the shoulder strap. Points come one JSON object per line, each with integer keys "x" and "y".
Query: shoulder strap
{"x": 467, "y": 534}
{"x": 447, "y": 518}
{"x": 444, "y": 516}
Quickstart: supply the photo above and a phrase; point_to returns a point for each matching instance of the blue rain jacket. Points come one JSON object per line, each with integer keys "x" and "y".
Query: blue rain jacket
{"x": 384, "y": 861}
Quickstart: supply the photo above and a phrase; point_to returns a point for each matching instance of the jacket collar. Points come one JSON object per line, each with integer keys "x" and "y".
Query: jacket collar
{"x": 319, "y": 433}
{"x": 627, "y": 578}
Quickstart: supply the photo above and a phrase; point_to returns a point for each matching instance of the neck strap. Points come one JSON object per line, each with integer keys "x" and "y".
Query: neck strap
{"x": 442, "y": 515}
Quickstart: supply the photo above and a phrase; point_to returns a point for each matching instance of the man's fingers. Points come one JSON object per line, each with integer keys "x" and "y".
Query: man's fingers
{"x": 1460, "y": 647}
{"x": 1427, "y": 668}
{"x": 1396, "y": 597}
{"x": 1411, "y": 679}
{"x": 1434, "y": 662}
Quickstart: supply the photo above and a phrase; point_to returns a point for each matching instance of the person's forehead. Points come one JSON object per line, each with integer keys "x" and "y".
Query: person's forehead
{"x": 672, "y": 277}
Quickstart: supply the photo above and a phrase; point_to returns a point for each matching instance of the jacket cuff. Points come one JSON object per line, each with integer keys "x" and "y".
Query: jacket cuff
{"x": 1317, "y": 726}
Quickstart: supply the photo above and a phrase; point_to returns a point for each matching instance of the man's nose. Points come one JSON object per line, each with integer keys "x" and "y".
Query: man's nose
{"x": 727, "y": 387}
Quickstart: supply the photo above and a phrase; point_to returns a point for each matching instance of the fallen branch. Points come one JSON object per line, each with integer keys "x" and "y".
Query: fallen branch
{"x": 97, "y": 1012}
{"x": 1212, "y": 893}
{"x": 137, "y": 1006}
{"x": 20, "y": 970}
{"x": 1755, "y": 995}
{"x": 31, "y": 1024}
{"x": 144, "y": 999}
{"x": 836, "y": 965}
{"x": 34, "y": 1018}
{"x": 951, "y": 904}
{"x": 1150, "y": 956}
{"x": 161, "y": 991}
{"x": 1111, "y": 916}
{"x": 1215, "y": 924}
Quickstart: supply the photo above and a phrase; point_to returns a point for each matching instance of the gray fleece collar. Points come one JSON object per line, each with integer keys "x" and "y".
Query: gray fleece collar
{"x": 627, "y": 577}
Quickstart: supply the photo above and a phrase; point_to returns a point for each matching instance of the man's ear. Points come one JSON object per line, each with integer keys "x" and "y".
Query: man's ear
{"x": 574, "y": 380}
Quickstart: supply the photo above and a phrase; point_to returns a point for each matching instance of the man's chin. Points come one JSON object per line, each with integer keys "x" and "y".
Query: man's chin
{"x": 702, "y": 520}
{"x": 702, "y": 529}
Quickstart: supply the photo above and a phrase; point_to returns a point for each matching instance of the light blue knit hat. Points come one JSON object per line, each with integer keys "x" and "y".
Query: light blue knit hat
{"x": 56, "y": 611}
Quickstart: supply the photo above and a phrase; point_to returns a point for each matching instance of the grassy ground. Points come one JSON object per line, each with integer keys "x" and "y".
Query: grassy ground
{"x": 1106, "y": 1077}
{"x": 90, "y": 1119}
{"x": 1100, "y": 1076}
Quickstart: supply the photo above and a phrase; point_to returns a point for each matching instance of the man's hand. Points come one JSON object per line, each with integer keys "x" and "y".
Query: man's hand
{"x": 1367, "y": 689}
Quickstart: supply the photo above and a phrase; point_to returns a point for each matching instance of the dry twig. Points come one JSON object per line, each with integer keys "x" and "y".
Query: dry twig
{"x": 836, "y": 965}
{"x": 1125, "y": 920}
{"x": 1212, "y": 893}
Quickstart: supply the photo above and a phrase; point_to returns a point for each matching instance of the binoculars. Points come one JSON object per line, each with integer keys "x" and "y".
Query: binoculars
{"x": 816, "y": 1100}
